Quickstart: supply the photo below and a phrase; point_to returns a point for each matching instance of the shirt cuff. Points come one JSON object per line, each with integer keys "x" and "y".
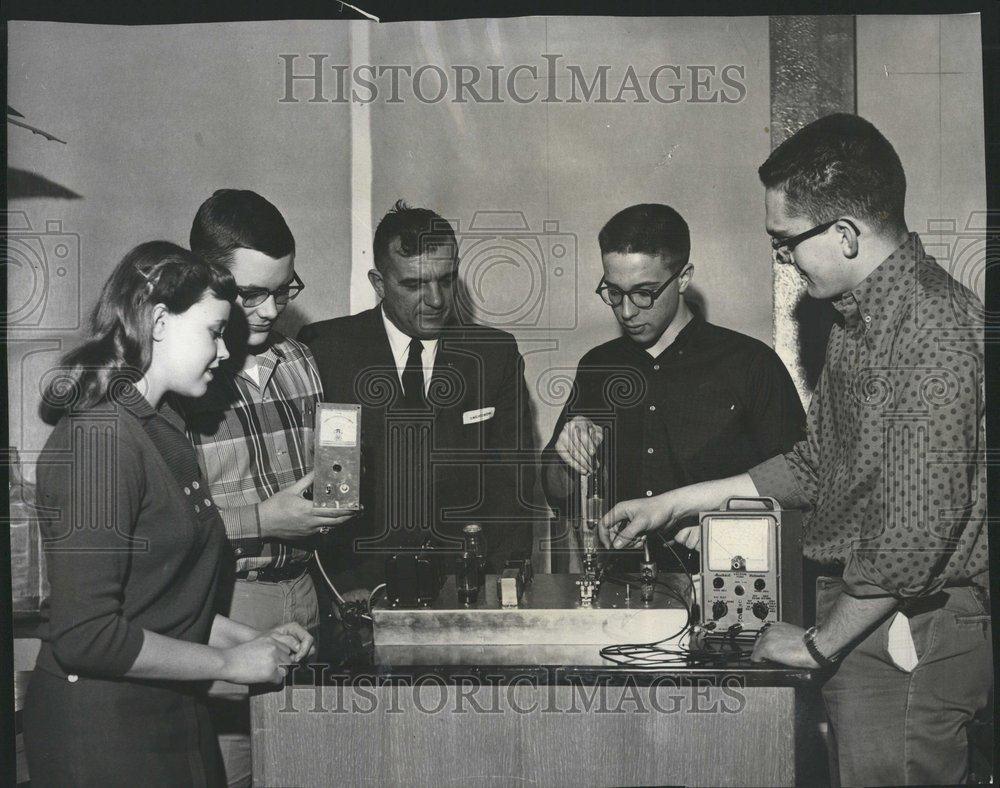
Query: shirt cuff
{"x": 122, "y": 663}
{"x": 243, "y": 530}
{"x": 857, "y": 581}
{"x": 774, "y": 478}
{"x": 107, "y": 656}
{"x": 862, "y": 578}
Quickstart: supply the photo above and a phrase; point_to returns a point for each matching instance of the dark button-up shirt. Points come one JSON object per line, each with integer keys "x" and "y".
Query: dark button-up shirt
{"x": 712, "y": 404}
{"x": 893, "y": 464}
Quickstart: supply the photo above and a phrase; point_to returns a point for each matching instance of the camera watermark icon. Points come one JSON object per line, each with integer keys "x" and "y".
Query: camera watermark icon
{"x": 966, "y": 253}
{"x": 43, "y": 274}
{"x": 516, "y": 277}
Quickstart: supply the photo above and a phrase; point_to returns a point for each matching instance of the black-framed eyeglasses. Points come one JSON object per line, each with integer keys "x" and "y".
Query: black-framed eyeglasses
{"x": 641, "y": 298}
{"x": 255, "y": 296}
{"x": 782, "y": 248}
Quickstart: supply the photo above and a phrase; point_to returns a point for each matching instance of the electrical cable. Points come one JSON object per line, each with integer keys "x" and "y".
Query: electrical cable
{"x": 734, "y": 643}
{"x": 341, "y": 602}
{"x": 371, "y": 596}
{"x": 348, "y": 611}
{"x": 653, "y": 654}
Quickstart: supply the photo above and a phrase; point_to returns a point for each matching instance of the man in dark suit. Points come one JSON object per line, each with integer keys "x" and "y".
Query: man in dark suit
{"x": 446, "y": 428}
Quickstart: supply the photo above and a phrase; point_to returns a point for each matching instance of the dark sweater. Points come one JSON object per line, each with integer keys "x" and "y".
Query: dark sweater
{"x": 132, "y": 540}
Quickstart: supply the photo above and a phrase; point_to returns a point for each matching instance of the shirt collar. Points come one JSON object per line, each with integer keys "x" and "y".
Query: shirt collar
{"x": 400, "y": 342}
{"x": 684, "y": 337}
{"x": 132, "y": 400}
{"x": 267, "y": 360}
{"x": 869, "y": 305}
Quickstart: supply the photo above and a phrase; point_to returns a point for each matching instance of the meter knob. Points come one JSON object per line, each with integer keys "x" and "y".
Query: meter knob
{"x": 719, "y": 610}
{"x": 760, "y": 610}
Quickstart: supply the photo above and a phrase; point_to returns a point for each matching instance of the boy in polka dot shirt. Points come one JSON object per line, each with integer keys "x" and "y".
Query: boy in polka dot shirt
{"x": 892, "y": 469}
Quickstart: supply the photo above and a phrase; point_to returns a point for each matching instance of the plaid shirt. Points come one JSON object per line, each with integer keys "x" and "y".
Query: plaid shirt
{"x": 253, "y": 440}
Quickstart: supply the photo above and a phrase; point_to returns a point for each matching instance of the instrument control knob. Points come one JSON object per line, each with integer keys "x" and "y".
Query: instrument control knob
{"x": 718, "y": 582}
{"x": 719, "y": 610}
{"x": 760, "y": 610}
{"x": 759, "y": 584}
{"x": 738, "y": 590}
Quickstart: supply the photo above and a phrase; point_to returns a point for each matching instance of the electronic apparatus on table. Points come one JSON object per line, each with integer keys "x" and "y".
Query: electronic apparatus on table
{"x": 547, "y": 611}
{"x": 750, "y": 576}
{"x": 337, "y": 458}
{"x": 591, "y": 511}
{"x": 751, "y": 565}
{"x": 515, "y": 608}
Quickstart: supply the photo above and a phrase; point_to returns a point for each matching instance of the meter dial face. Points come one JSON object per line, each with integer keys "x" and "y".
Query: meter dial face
{"x": 735, "y": 538}
{"x": 338, "y": 428}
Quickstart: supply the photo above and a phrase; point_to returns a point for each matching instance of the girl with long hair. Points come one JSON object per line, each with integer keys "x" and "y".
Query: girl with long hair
{"x": 136, "y": 550}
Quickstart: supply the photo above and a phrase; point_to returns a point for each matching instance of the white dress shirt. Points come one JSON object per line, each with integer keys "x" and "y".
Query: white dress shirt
{"x": 400, "y": 344}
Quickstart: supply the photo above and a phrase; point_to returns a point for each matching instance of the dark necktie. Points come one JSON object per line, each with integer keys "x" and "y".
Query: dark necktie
{"x": 413, "y": 378}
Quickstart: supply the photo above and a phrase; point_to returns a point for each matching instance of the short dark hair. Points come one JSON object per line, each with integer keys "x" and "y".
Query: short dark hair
{"x": 648, "y": 228}
{"x": 234, "y": 219}
{"x": 419, "y": 230}
{"x": 839, "y": 165}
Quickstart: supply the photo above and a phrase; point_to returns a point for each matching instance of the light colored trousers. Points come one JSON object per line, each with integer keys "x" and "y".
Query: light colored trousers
{"x": 262, "y": 606}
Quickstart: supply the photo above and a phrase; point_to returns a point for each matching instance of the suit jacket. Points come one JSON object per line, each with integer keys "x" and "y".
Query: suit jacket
{"x": 468, "y": 458}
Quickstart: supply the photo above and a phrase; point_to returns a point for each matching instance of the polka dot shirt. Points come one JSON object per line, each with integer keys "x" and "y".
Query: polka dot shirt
{"x": 893, "y": 465}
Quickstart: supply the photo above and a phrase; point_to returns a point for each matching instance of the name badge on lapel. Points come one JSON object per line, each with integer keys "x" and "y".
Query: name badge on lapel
{"x": 476, "y": 416}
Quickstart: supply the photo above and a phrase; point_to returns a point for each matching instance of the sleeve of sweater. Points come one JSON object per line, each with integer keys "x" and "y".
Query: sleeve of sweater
{"x": 90, "y": 482}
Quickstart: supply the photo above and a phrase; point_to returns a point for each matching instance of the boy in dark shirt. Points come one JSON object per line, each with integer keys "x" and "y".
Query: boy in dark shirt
{"x": 681, "y": 400}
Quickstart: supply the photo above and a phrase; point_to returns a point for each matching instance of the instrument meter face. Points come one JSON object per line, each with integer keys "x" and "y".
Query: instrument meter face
{"x": 740, "y": 569}
{"x": 338, "y": 427}
{"x": 741, "y": 544}
{"x": 337, "y": 457}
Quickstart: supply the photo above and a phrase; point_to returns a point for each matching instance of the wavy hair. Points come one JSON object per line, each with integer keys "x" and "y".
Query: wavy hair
{"x": 120, "y": 343}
